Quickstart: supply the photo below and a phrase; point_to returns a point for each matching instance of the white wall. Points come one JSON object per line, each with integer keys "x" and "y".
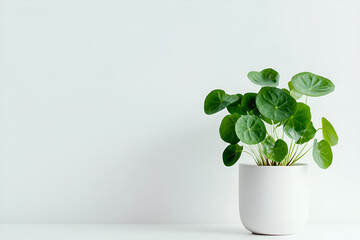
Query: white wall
{"x": 102, "y": 105}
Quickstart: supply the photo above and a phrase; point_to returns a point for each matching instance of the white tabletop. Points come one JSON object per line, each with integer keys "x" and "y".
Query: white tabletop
{"x": 160, "y": 232}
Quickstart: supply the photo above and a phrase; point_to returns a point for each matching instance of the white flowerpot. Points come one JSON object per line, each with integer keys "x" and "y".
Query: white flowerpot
{"x": 273, "y": 200}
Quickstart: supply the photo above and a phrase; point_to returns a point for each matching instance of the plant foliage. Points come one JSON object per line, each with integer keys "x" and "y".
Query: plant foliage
{"x": 273, "y": 125}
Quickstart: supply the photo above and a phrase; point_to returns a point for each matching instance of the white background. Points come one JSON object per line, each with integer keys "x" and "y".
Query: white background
{"x": 102, "y": 105}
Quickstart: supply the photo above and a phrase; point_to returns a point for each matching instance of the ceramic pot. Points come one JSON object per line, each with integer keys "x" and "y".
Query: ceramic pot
{"x": 273, "y": 200}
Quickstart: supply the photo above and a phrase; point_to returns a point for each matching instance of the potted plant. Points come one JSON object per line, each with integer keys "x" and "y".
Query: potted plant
{"x": 275, "y": 128}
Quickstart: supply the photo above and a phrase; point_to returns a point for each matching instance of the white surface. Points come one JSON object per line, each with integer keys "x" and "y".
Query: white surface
{"x": 273, "y": 200}
{"x": 160, "y": 232}
{"x": 101, "y": 104}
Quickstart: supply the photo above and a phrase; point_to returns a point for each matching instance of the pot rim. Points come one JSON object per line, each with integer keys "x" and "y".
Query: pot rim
{"x": 254, "y": 165}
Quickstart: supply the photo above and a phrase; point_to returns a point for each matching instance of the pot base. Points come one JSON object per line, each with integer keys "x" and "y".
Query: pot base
{"x": 272, "y": 234}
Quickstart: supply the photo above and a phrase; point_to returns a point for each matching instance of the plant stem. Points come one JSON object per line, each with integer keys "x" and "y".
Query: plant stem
{"x": 301, "y": 151}
{"x": 295, "y": 160}
{"x": 255, "y": 153}
{"x": 261, "y": 154}
{"x": 297, "y": 148}
{"x": 289, "y": 152}
{"x": 250, "y": 152}
{"x": 256, "y": 161}
{"x": 274, "y": 130}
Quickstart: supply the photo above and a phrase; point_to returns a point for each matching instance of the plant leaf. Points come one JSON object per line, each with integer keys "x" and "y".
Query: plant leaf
{"x": 297, "y": 123}
{"x": 227, "y": 128}
{"x": 255, "y": 112}
{"x": 308, "y": 134}
{"x": 232, "y": 154}
{"x": 217, "y": 100}
{"x": 286, "y": 91}
{"x": 248, "y": 102}
{"x": 295, "y": 94}
{"x": 276, "y": 151}
{"x": 250, "y": 129}
{"x": 267, "y": 77}
{"x": 235, "y": 107}
{"x": 267, "y": 120}
{"x": 280, "y": 150}
{"x": 275, "y": 104}
{"x": 329, "y": 133}
{"x": 268, "y": 145}
{"x": 322, "y": 154}
{"x": 311, "y": 84}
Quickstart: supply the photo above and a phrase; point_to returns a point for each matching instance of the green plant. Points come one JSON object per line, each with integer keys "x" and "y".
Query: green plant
{"x": 269, "y": 121}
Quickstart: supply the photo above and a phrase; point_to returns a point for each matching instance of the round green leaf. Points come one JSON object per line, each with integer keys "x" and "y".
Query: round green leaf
{"x": 329, "y": 132}
{"x": 235, "y": 107}
{"x": 295, "y": 94}
{"x": 276, "y": 151}
{"x": 312, "y": 85}
{"x": 217, "y": 100}
{"x": 308, "y": 134}
{"x": 267, "y": 77}
{"x": 280, "y": 150}
{"x": 322, "y": 154}
{"x": 227, "y": 128}
{"x": 250, "y": 129}
{"x": 248, "y": 102}
{"x": 297, "y": 123}
{"x": 275, "y": 104}
{"x": 231, "y": 154}
{"x": 255, "y": 112}
{"x": 268, "y": 146}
